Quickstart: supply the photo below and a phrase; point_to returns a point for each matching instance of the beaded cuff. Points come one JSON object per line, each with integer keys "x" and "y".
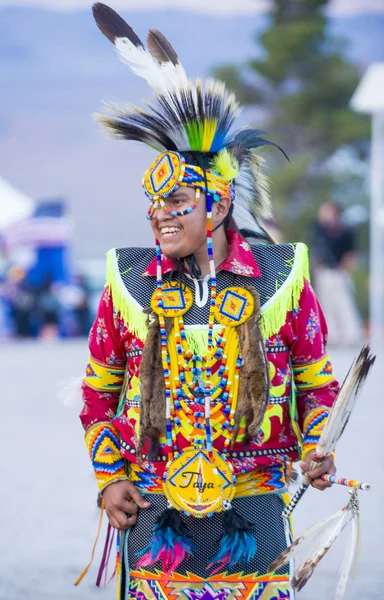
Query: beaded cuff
{"x": 104, "y": 449}
{"x": 312, "y": 428}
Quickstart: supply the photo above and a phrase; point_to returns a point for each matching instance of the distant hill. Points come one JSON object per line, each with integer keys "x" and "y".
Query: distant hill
{"x": 54, "y": 71}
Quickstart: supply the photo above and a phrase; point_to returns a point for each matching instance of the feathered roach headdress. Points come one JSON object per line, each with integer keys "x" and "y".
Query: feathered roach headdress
{"x": 188, "y": 119}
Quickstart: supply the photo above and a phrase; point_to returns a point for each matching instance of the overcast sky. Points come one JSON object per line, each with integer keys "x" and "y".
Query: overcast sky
{"x": 225, "y": 7}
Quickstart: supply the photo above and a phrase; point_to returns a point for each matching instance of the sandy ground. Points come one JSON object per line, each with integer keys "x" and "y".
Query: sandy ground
{"x": 47, "y": 493}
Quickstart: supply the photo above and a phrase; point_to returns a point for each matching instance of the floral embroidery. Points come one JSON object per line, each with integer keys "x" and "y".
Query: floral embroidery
{"x": 310, "y": 402}
{"x": 107, "y": 296}
{"x": 110, "y": 414}
{"x": 243, "y": 465}
{"x": 101, "y": 334}
{"x": 278, "y": 340}
{"x": 112, "y": 359}
{"x": 122, "y": 419}
{"x": 296, "y": 311}
{"x": 245, "y": 246}
{"x": 313, "y": 326}
{"x": 284, "y": 372}
{"x": 240, "y": 269}
{"x": 116, "y": 320}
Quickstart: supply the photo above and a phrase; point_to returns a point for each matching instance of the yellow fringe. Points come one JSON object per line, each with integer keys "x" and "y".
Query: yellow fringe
{"x": 197, "y": 340}
{"x": 130, "y": 311}
{"x": 286, "y": 298}
{"x": 273, "y": 313}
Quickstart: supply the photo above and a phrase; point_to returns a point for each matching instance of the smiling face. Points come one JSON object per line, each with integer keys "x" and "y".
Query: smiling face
{"x": 181, "y": 236}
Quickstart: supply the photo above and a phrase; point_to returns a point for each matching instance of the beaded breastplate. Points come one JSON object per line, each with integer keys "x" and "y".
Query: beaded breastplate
{"x": 199, "y": 480}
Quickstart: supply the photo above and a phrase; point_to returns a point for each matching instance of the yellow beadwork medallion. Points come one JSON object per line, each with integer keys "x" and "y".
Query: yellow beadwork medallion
{"x": 164, "y": 175}
{"x": 234, "y": 306}
{"x": 176, "y": 300}
{"x": 198, "y": 486}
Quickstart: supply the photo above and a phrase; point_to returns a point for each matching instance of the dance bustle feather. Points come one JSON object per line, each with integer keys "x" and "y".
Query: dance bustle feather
{"x": 238, "y": 545}
{"x": 341, "y": 411}
{"x": 170, "y": 543}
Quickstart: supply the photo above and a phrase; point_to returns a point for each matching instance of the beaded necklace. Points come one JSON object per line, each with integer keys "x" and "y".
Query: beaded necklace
{"x": 166, "y": 362}
{"x": 201, "y": 391}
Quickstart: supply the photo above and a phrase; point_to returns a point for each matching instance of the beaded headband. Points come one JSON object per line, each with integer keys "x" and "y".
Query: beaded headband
{"x": 169, "y": 172}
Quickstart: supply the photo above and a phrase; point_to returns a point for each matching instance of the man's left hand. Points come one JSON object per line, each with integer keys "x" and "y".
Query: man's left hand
{"x": 327, "y": 466}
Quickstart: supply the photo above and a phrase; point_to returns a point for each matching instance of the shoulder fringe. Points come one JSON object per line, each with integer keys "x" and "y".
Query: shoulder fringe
{"x": 125, "y": 304}
{"x": 132, "y": 313}
{"x": 273, "y": 312}
{"x": 286, "y": 298}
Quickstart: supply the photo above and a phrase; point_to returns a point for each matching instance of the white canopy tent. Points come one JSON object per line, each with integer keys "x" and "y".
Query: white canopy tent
{"x": 14, "y": 205}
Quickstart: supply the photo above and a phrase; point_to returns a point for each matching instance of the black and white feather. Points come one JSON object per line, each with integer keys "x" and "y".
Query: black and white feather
{"x": 345, "y": 402}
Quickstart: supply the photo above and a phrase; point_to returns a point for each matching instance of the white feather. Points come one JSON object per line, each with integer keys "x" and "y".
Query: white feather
{"x": 304, "y": 572}
{"x": 162, "y": 78}
{"x": 252, "y": 194}
{"x": 141, "y": 63}
{"x": 69, "y": 392}
{"x": 306, "y": 538}
{"x": 174, "y": 74}
{"x": 348, "y": 560}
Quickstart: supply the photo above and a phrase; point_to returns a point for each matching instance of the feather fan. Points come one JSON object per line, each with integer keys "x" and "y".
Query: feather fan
{"x": 341, "y": 411}
{"x": 305, "y": 571}
{"x": 320, "y": 537}
{"x": 345, "y": 402}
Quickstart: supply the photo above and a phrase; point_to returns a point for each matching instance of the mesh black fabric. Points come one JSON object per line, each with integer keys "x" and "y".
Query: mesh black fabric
{"x": 274, "y": 263}
{"x": 265, "y": 511}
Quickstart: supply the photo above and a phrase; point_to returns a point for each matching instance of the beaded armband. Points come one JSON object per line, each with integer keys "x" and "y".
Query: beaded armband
{"x": 312, "y": 428}
{"x": 104, "y": 450}
{"x": 103, "y": 378}
{"x": 317, "y": 374}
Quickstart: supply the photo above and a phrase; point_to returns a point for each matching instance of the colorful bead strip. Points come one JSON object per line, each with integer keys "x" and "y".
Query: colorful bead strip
{"x": 158, "y": 202}
{"x": 352, "y": 483}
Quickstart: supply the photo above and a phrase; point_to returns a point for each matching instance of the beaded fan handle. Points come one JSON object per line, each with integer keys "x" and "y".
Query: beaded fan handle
{"x": 288, "y": 510}
{"x": 351, "y": 483}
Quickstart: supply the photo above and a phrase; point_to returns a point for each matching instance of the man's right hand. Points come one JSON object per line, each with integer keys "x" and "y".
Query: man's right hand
{"x": 122, "y": 501}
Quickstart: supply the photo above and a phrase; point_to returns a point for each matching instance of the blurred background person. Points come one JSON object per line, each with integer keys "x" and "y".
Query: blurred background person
{"x": 21, "y": 298}
{"x": 47, "y": 309}
{"x": 333, "y": 250}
